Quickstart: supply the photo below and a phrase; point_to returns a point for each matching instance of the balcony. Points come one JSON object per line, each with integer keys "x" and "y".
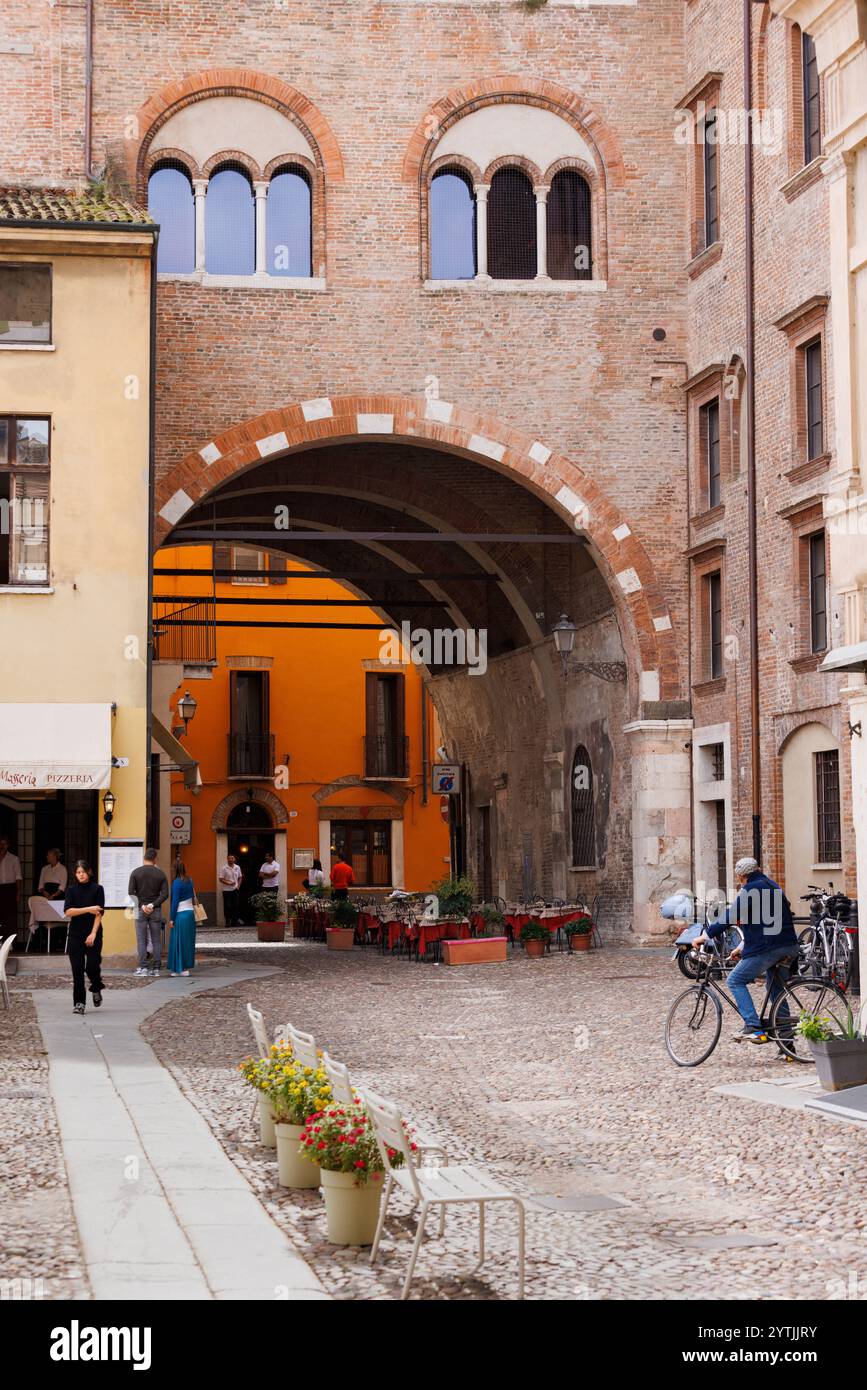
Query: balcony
{"x": 186, "y": 634}
{"x": 386, "y": 757}
{"x": 250, "y": 755}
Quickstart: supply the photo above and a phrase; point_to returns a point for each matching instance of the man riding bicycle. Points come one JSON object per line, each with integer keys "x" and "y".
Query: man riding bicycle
{"x": 762, "y": 911}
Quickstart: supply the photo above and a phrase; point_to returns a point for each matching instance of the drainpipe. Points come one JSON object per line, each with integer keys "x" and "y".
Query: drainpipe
{"x": 152, "y": 410}
{"x": 88, "y": 87}
{"x": 752, "y": 551}
{"x": 424, "y": 747}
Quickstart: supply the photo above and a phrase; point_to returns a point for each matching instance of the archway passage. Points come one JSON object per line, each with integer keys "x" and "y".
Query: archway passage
{"x": 446, "y": 524}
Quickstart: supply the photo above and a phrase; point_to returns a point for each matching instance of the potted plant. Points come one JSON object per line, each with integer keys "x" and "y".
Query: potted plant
{"x": 266, "y": 914}
{"x": 296, "y": 1093}
{"x": 492, "y": 920}
{"x": 255, "y": 1073}
{"x": 454, "y": 897}
{"x": 340, "y": 936}
{"x": 840, "y": 1056}
{"x": 578, "y": 933}
{"x": 535, "y": 936}
{"x": 342, "y": 1143}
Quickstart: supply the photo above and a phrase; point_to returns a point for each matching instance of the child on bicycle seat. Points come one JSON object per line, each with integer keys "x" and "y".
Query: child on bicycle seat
{"x": 761, "y": 909}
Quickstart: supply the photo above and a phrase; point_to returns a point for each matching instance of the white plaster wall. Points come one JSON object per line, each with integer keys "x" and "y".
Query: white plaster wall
{"x": 232, "y": 123}
{"x": 529, "y": 131}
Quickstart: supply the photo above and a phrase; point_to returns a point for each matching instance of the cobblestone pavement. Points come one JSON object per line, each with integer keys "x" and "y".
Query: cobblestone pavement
{"x": 642, "y": 1180}
{"x": 38, "y": 1235}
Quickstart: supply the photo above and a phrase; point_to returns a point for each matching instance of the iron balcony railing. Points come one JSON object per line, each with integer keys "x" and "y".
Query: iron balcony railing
{"x": 386, "y": 756}
{"x": 251, "y": 755}
{"x": 186, "y": 634}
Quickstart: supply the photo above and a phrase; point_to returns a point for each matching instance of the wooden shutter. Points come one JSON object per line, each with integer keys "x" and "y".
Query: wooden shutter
{"x": 277, "y": 566}
{"x": 222, "y": 557}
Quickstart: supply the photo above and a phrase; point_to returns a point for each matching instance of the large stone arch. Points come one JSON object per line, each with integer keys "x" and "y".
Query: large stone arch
{"x": 643, "y": 611}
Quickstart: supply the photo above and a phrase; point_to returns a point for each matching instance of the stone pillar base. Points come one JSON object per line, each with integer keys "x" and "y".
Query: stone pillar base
{"x": 661, "y": 823}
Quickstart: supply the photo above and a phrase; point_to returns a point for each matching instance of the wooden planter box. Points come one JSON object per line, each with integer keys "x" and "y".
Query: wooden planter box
{"x": 477, "y": 951}
{"x": 270, "y": 931}
{"x": 340, "y": 938}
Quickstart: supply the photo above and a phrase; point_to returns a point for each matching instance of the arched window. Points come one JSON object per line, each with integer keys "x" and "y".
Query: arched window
{"x": 452, "y": 226}
{"x": 230, "y": 223}
{"x": 583, "y": 815}
{"x": 289, "y": 224}
{"x": 569, "y": 231}
{"x": 511, "y": 226}
{"x": 170, "y": 204}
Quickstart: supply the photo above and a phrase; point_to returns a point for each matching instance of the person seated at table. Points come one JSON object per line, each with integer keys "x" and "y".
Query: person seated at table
{"x": 52, "y": 876}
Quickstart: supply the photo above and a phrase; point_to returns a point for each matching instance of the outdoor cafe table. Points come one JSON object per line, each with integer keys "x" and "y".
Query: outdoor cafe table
{"x": 46, "y": 912}
{"x": 425, "y": 934}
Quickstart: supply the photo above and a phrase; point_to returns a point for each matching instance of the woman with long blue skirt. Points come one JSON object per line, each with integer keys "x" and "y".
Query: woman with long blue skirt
{"x": 182, "y": 946}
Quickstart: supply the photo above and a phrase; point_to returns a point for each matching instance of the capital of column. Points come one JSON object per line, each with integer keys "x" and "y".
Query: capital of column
{"x": 481, "y": 191}
{"x": 260, "y": 188}
{"x": 838, "y": 165}
{"x": 541, "y": 191}
{"x": 200, "y": 187}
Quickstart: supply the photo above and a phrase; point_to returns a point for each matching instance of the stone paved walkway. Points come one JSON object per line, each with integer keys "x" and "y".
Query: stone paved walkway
{"x": 161, "y": 1211}
{"x": 643, "y": 1180}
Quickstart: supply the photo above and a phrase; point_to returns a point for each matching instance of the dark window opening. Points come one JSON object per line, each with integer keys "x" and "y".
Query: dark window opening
{"x": 25, "y": 304}
{"x": 366, "y": 845}
{"x": 828, "y": 844}
{"x": 24, "y": 500}
{"x": 711, "y": 180}
{"x": 713, "y": 586}
{"x": 813, "y": 374}
{"x": 511, "y": 227}
{"x": 385, "y": 741}
{"x": 718, "y": 761}
{"x": 583, "y": 811}
{"x": 569, "y": 228}
{"x": 251, "y": 744}
{"x": 710, "y": 447}
{"x": 721, "y": 860}
{"x": 812, "y": 111}
{"x": 818, "y": 594}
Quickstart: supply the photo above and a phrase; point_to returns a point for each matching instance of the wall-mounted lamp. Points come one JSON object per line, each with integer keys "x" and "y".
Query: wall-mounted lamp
{"x": 108, "y": 803}
{"x": 187, "y": 707}
{"x": 564, "y": 632}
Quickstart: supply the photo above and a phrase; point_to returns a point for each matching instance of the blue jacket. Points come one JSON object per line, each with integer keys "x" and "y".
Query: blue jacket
{"x": 761, "y": 909}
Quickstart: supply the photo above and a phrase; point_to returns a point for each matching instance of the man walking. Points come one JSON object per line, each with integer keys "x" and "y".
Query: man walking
{"x": 342, "y": 877}
{"x": 230, "y": 882}
{"x": 762, "y": 911}
{"x": 148, "y": 888}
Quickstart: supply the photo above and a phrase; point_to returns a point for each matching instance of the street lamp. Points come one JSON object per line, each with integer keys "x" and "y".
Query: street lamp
{"x": 187, "y": 707}
{"x": 108, "y": 801}
{"x": 564, "y": 632}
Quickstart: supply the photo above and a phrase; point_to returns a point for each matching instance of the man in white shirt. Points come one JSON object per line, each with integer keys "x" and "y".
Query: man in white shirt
{"x": 269, "y": 874}
{"x": 52, "y": 876}
{"x": 10, "y": 889}
{"x": 230, "y": 881}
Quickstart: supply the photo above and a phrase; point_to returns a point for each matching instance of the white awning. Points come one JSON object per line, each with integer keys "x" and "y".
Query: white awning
{"x": 852, "y": 658}
{"x": 55, "y": 747}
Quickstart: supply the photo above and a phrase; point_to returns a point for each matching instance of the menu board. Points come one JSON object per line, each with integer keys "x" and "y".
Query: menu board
{"x": 117, "y": 859}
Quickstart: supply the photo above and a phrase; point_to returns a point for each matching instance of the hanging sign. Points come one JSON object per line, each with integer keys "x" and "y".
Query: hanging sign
{"x": 446, "y": 779}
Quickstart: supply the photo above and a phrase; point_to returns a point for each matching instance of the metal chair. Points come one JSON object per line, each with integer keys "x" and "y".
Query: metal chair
{"x": 433, "y": 1186}
{"x": 595, "y": 915}
{"x": 302, "y": 1044}
{"x": 4, "y": 956}
{"x": 343, "y": 1093}
{"x": 260, "y": 1032}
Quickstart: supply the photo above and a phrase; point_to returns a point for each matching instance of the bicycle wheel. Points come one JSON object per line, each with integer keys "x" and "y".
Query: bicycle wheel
{"x": 693, "y": 1026}
{"x": 802, "y": 994}
{"x": 810, "y": 955}
{"x": 841, "y": 968}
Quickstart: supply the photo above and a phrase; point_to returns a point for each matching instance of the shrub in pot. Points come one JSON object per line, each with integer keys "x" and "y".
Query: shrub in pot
{"x": 340, "y": 935}
{"x": 266, "y": 914}
{"x": 454, "y": 897}
{"x": 255, "y": 1073}
{"x": 841, "y": 1055}
{"x": 534, "y": 938}
{"x": 493, "y": 921}
{"x": 297, "y": 1093}
{"x": 579, "y": 933}
{"x": 341, "y": 1142}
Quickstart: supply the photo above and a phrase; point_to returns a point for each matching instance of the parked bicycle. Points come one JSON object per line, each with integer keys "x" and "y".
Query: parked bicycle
{"x": 719, "y": 947}
{"x": 825, "y": 947}
{"x": 694, "y": 1022}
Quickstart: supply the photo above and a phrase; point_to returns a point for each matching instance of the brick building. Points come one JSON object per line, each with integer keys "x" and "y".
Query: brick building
{"x": 405, "y": 343}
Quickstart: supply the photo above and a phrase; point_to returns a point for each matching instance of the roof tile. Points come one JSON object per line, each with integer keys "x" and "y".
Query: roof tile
{"x": 90, "y": 204}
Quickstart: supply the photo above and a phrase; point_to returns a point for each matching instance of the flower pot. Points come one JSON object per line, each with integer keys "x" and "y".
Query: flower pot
{"x": 579, "y": 942}
{"x": 340, "y": 938}
{"x": 840, "y": 1063}
{"x": 534, "y": 948}
{"x": 270, "y": 931}
{"x": 477, "y": 950}
{"x": 351, "y": 1212}
{"x": 266, "y": 1122}
{"x": 294, "y": 1169}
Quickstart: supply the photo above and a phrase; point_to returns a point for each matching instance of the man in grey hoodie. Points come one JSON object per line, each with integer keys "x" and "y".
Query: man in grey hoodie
{"x": 148, "y": 888}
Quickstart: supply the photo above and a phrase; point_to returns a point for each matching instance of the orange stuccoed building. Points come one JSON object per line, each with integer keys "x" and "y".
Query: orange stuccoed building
{"x": 305, "y": 739}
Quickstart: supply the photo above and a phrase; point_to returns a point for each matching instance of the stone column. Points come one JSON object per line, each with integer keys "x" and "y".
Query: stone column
{"x": 482, "y": 190}
{"x": 260, "y": 188}
{"x": 661, "y": 829}
{"x": 541, "y": 191}
{"x": 200, "y": 188}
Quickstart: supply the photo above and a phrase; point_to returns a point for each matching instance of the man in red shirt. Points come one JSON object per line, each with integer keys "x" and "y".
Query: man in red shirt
{"x": 342, "y": 878}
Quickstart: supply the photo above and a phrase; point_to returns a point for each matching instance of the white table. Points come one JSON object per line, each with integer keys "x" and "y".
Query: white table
{"x": 47, "y": 912}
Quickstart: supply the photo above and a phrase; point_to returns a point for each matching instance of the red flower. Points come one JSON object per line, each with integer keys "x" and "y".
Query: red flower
{"x": 360, "y": 1163}
{"x": 414, "y": 1147}
{"x": 321, "y": 1144}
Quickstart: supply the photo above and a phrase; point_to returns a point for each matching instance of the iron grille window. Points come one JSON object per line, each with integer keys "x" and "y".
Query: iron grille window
{"x": 818, "y": 594}
{"x": 711, "y": 180}
{"x": 721, "y": 865}
{"x": 569, "y": 229}
{"x": 828, "y": 806}
{"x": 709, "y": 432}
{"x": 813, "y": 373}
{"x": 812, "y": 112}
{"x": 713, "y": 592}
{"x": 718, "y": 761}
{"x": 511, "y": 227}
{"x": 583, "y": 811}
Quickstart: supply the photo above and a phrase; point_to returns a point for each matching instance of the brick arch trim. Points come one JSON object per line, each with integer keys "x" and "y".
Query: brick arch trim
{"x": 261, "y": 795}
{"x": 259, "y": 86}
{"x": 558, "y": 480}
{"x": 492, "y": 90}
{"x": 391, "y": 789}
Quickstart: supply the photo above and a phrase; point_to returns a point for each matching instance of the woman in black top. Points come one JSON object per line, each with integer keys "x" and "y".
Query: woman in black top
{"x": 83, "y": 906}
